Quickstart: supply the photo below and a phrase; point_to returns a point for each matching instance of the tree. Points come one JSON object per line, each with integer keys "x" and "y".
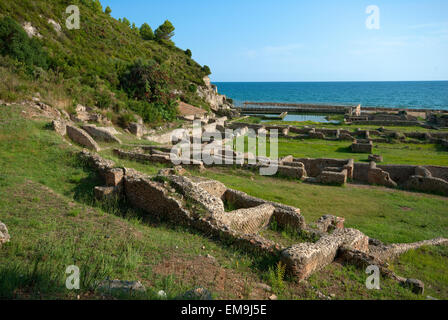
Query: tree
{"x": 146, "y": 32}
{"x": 188, "y": 53}
{"x": 149, "y": 84}
{"x": 135, "y": 29}
{"x": 108, "y": 10}
{"x": 165, "y": 31}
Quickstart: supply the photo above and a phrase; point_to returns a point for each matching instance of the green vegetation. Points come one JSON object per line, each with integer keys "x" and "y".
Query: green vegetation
{"x": 146, "y": 32}
{"x": 54, "y": 222}
{"x": 276, "y": 277}
{"x": 148, "y": 84}
{"x": 85, "y": 66}
{"x": 165, "y": 32}
{"x": 15, "y": 43}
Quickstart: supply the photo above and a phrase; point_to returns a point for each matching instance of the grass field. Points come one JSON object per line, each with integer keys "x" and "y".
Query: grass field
{"x": 46, "y": 200}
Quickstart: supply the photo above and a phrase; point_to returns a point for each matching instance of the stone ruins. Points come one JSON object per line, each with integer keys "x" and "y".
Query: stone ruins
{"x": 201, "y": 204}
{"x": 4, "y": 234}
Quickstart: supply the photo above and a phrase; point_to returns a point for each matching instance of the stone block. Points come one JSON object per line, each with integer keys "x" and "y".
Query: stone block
{"x": 136, "y": 129}
{"x": 303, "y": 259}
{"x": 249, "y": 220}
{"x": 379, "y": 177}
{"x": 101, "y": 134}
{"x": 416, "y": 286}
{"x": 333, "y": 178}
{"x": 60, "y": 127}
{"x": 362, "y": 146}
{"x": 292, "y": 172}
{"x": 81, "y": 137}
{"x": 4, "y": 234}
{"x": 106, "y": 193}
{"x": 376, "y": 158}
{"x": 114, "y": 177}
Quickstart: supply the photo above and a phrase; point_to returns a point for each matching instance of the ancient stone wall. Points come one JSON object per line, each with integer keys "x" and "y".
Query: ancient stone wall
{"x": 81, "y": 137}
{"x": 303, "y": 259}
{"x": 199, "y": 203}
{"x": 102, "y": 134}
{"x": 284, "y": 215}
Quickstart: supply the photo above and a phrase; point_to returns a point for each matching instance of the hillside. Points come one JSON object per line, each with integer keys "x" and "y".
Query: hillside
{"x": 91, "y": 66}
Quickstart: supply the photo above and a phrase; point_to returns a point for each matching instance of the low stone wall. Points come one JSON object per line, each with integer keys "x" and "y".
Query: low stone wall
{"x": 362, "y": 146}
{"x": 388, "y": 252}
{"x": 250, "y": 220}
{"x": 406, "y": 177}
{"x": 427, "y": 184}
{"x": 303, "y": 259}
{"x": 377, "y": 176}
{"x": 141, "y": 157}
{"x": 284, "y": 215}
{"x": 314, "y": 167}
{"x": 294, "y": 172}
{"x": 81, "y": 137}
{"x": 387, "y": 122}
{"x": 333, "y": 177}
{"x": 398, "y": 173}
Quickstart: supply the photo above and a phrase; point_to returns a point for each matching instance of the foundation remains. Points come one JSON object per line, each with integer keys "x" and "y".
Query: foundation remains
{"x": 235, "y": 217}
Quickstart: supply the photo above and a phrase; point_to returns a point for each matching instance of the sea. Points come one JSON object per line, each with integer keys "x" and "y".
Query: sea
{"x": 406, "y": 94}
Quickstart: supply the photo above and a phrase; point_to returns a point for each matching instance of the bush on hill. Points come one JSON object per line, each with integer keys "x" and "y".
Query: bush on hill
{"x": 14, "y": 42}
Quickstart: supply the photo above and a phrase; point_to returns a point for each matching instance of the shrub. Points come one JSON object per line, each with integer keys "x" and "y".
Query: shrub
{"x": 206, "y": 70}
{"x": 188, "y": 53}
{"x": 146, "y": 32}
{"x": 192, "y": 88}
{"x": 165, "y": 31}
{"x": 14, "y": 42}
{"x": 108, "y": 10}
{"x": 276, "y": 277}
{"x": 145, "y": 80}
{"x": 103, "y": 99}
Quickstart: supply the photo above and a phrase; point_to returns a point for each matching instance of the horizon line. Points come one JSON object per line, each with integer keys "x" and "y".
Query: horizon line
{"x": 329, "y": 81}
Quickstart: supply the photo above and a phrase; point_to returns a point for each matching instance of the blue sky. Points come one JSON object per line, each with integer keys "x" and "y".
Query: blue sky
{"x": 292, "y": 40}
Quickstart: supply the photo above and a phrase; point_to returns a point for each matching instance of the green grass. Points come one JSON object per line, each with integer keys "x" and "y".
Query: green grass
{"x": 428, "y": 263}
{"x": 51, "y": 230}
{"x": 47, "y": 203}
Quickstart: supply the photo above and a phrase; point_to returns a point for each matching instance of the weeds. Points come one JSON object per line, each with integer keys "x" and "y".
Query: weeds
{"x": 276, "y": 276}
